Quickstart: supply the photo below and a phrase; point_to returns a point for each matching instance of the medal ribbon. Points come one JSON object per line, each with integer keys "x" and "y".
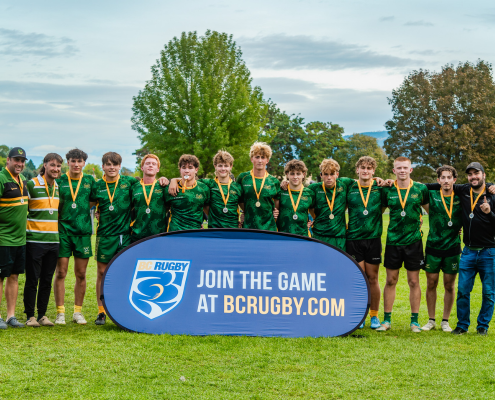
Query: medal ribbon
{"x": 333, "y": 196}
{"x": 367, "y": 196}
{"x": 449, "y": 213}
{"x": 254, "y": 184}
{"x": 184, "y": 187}
{"x": 477, "y": 198}
{"x": 20, "y": 183}
{"x": 403, "y": 203}
{"x": 74, "y": 196}
{"x": 225, "y": 200}
{"x": 295, "y": 206}
{"x": 48, "y": 193}
{"x": 114, "y": 189}
{"x": 148, "y": 199}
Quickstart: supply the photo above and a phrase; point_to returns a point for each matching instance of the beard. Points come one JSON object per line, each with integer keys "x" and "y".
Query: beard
{"x": 481, "y": 182}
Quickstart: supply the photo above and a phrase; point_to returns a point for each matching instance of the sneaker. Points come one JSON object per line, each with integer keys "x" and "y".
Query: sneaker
{"x": 32, "y": 322}
{"x": 375, "y": 323}
{"x": 3, "y": 325}
{"x": 458, "y": 331}
{"x": 385, "y": 326}
{"x": 102, "y": 317}
{"x": 60, "y": 320}
{"x": 445, "y": 326}
{"x": 429, "y": 325}
{"x": 44, "y": 321}
{"x": 415, "y": 327}
{"x": 13, "y": 323}
{"x": 362, "y": 325}
{"x": 482, "y": 331}
{"x": 78, "y": 318}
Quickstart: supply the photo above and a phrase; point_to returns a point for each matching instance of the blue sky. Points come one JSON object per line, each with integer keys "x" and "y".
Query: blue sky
{"x": 68, "y": 70}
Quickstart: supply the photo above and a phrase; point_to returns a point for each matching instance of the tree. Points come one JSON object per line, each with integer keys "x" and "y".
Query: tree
{"x": 199, "y": 100}
{"x": 93, "y": 169}
{"x": 444, "y": 118}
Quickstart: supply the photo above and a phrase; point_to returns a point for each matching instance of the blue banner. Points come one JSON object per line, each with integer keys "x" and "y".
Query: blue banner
{"x": 235, "y": 282}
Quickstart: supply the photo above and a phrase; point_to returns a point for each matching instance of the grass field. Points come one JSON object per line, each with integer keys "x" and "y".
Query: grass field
{"x": 89, "y": 362}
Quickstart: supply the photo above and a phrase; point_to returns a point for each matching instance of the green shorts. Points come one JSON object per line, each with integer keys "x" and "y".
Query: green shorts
{"x": 108, "y": 246}
{"x": 337, "y": 242}
{"x": 79, "y": 246}
{"x": 449, "y": 265}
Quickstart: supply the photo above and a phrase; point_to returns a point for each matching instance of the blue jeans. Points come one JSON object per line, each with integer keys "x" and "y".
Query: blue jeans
{"x": 473, "y": 262}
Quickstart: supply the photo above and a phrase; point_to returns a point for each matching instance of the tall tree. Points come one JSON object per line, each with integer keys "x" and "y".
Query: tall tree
{"x": 93, "y": 169}
{"x": 444, "y": 118}
{"x": 199, "y": 99}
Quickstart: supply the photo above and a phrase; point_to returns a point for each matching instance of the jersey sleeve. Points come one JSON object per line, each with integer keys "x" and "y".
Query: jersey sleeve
{"x": 277, "y": 189}
{"x": 425, "y": 194}
{"x": 207, "y": 194}
{"x": 346, "y": 181}
{"x": 384, "y": 193}
{"x": 92, "y": 195}
{"x": 314, "y": 186}
{"x": 30, "y": 188}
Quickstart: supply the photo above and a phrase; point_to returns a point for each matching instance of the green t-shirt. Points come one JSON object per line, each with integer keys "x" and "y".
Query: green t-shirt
{"x": 286, "y": 221}
{"x": 362, "y": 226}
{"x": 323, "y": 225}
{"x": 75, "y": 221}
{"x": 442, "y": 236}
{"x": 259, "y": 217}
{"x": 186, "y": 209}
{"x": 216, "y": 217}
{"x": 152, "y": 223}
{"x": 117, "y": 221}
{"x": 13, "y": 210}
{"x": 403, "y": 231}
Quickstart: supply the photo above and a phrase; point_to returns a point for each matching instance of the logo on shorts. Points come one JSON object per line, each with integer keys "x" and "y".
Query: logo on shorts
{"x": 86, "y": 250}
{"x": 158, "y": 286}
{"x": 454, "y": 266}
{"x": 422, "y": 262}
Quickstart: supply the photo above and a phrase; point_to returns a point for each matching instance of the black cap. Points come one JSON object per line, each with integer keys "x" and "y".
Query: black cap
{"x": 475, "y": 165}
{"x": 17, "y": 152}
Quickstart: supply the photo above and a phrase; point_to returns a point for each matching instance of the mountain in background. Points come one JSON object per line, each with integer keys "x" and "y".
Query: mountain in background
{"x": 380, "y": 136}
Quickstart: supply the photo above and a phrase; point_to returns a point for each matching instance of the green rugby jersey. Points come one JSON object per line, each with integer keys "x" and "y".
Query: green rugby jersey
{"x": 117, "y": 221}
{"x": 406, "y": 230}
{"x": 259, "y": 217}
{"x": 323, "y": 225}
{"x": 442, "y": 236}
{"x": 152, "y": 223}
{"x": 216, "y": 217}
{"x": 362, "y": 226}
{"x": 42, "y": 226}
{"x": 286, "y": 221}
{"x": 75, "y": 221}
{"x": 186, "y": 209}
{"x": 13, "y": 210}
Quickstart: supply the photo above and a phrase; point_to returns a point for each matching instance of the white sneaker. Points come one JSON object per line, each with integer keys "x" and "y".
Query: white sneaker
{"x": 78, "y": 318}
{"x": 446, "y": 327}
{"x": 60, "y": 320}
{"x": 429, "y": 326}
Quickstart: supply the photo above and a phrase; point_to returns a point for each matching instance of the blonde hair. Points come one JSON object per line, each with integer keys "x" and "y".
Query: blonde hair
{"x": 260, "y": 149}
{"x": 329, "y": 166}
{"x": 223, "y": 157}
{"x": 150, "y": 156}
{"x": 366, "y": 160}
{"x": 295, "y": 165}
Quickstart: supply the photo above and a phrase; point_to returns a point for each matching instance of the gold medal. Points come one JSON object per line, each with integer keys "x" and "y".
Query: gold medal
{"x": 258, "y": 204}
{"x": 110, "y": 197}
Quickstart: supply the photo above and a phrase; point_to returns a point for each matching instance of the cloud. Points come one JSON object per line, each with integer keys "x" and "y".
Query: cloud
{"x": 387, "y": 19}
{"x": 487, "y": 18}
{"x": 425, "y": 52}
{"x": 305, "y": 52}
{"x": 15, "y": 43}
{"x": 418, "y": 23}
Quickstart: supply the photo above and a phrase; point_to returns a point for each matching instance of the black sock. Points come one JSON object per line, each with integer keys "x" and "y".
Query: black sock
{"x": 432, "y": 319}
{"x": 445, "y": 320}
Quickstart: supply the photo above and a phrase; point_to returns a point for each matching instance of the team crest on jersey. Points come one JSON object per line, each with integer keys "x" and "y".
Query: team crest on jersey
{"x": 87, "y": 186}
{"x": 158, "y": 286}
{"x": 158, "y": 191}
{"x": 268, "y": 187}
{"x": 414, "y": 196}
{"x": 123, "y": 186}
{"x": 199, "y": 196}
{"x": 304, "y": 198}
{"x": 340, "y": 189}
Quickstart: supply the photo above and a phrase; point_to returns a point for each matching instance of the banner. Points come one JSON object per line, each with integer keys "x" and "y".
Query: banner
{"x": 235, "y": 282}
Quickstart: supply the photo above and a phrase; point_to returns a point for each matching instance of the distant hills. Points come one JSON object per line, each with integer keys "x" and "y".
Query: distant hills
{"x": 379, "y": 135}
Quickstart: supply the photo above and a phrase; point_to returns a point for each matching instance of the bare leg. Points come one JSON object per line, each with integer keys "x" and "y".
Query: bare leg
{"x": 80, "y": 265}
{"x": 372, "y": 274}
{"x": 414, "y": 290}
{"x": 59, "y": 284}
{"x": 389, "y": 290}
{"x": 1, "y": 292}
{"x": 449, "y": 297}
{"x": 11, "y": 289}
{"x": 431, "y": 293}
{"x": 99, "y": 278}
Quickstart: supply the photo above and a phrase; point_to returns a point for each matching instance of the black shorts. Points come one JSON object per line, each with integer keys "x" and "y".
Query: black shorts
{"x": 411, "y": 255}
{"x": 367, "y": 250}
{"x": 12, "y": 260}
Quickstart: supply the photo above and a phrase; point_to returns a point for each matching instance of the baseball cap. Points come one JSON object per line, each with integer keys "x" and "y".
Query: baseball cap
{"x": 17, "y": 152}
{"x": 475, "y": 165}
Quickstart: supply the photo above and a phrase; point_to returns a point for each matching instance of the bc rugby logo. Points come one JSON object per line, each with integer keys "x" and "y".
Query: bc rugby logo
{"x": 158, "y": 286}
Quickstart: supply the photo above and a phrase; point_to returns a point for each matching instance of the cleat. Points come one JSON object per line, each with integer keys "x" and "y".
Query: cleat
{"x": 458, "y": 331}
{"x": 385, "y": 326}
{"x": 415, "y": 327}
{"x": 362, "y": 325}
{"x": 429, "y": 325}
{"x": 3, "y": 325}
{"x": 375, "y": 323}
{"x": 13, "y": 323}
{"x": 102, "y": 317}
{"x": 446, "y": 327}
{"x": 32, "y": 322}
{"x": 60, "y": 320}
{"x": 78, "y": 318}
{"x": 482, "y": 331}
{"x": 44, "y": 321}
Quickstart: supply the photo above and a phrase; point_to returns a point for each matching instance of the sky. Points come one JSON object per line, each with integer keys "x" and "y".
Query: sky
{"x": 69, "y": 70}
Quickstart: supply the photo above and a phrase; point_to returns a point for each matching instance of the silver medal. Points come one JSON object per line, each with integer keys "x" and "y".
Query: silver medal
{"x": 110, "y": 208}
{"x": 294, "y": 217}
{"x": 450, "y": 223}
{"x": 365, "y": 212}
{"x": 148, "y": 211}
{"x": 22, "y": 201}
{"x": 51, "y": 212}
{"x": 225, "y": 210}
{"x": 403, "y": 214}
{"x": 258, "y": 204}
{"x": 74, "y": 205}
{"x": 471, "y": 215}
{"x": 331, "y": 216}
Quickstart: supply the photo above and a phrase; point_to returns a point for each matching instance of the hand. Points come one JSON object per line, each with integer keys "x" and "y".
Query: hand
{"x": 242, "y": 218}
{"x": 173, "y": 188}
{"x": 491, "y": 189}
{"x": 310, "y": 224}
{"x": 379, "y": 181}
{"x": 163, "y": 181}
{"x": 485, "y": 206}
{"x": 138, "y": 178}
{"x": 284, "y": 185}
{"x": 387, "y": 182}
{"x": 275, "y": 213}
{"x": 97, "y": 216}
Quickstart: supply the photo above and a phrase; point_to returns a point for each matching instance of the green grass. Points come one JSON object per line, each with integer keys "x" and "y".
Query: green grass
{"x": 88, "y": 362}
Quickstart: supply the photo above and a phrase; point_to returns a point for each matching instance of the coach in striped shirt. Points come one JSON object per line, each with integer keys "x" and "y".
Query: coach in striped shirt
{"x": 42, "y": 239}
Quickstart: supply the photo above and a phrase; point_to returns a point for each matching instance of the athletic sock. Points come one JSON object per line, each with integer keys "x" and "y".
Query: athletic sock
{"x": 432, "y": 320}
{"x": 445, "y": 320}
{"x": 387, "y": 316}
{"x": 414, "y": 317}
{"x": 77, "y": 308}
{"x": 101, "y": 309}
{"x": 60, "y": 309}
{"x": 373, "y": 313}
